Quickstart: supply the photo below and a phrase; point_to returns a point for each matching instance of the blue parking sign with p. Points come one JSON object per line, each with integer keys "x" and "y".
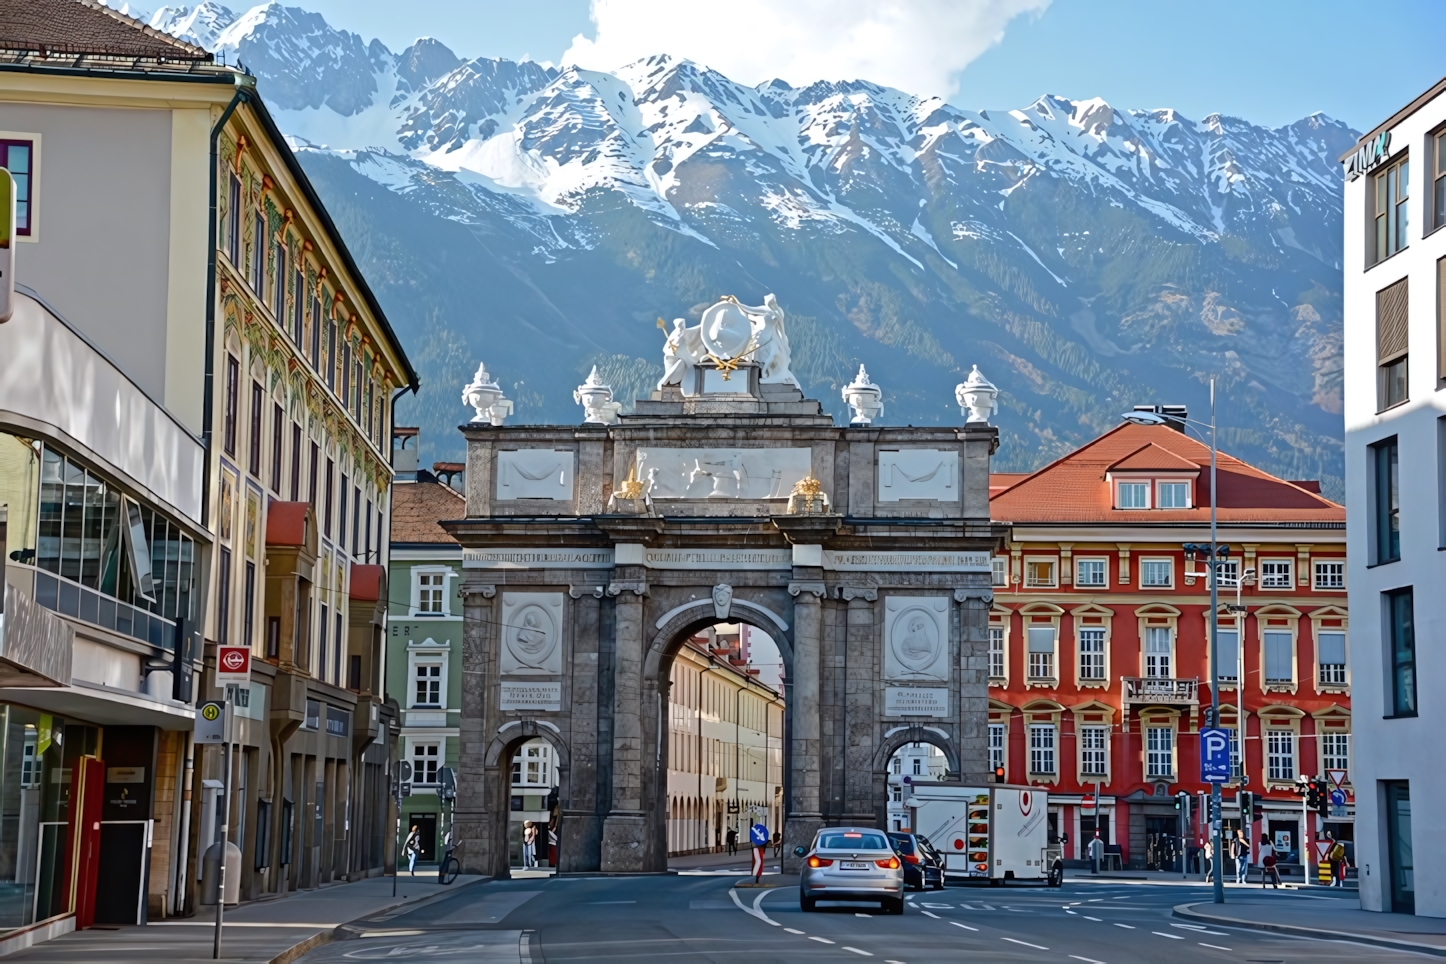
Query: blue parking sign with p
{"x": 1214, "y": 756}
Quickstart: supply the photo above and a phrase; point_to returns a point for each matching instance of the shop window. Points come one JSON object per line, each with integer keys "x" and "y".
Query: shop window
{"x": 1392, "y": 344}
{"x": 1041, "y": 748}
{"x": 1392, "y": 190}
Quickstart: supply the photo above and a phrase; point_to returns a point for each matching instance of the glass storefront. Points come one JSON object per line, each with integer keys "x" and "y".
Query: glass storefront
{"x": 38, "y": 753}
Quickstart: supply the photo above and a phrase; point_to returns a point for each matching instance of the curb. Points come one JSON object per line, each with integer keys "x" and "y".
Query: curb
{"x": 1187, "y": 912}
{"x": 323, "y": 937}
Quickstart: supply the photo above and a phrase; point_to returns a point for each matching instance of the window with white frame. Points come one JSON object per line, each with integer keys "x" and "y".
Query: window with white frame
{"x": 1235, "y": 766}
{"x": 1277, "y": 573}
{"x": 1132, "y": 495}
{"x": 1093, "y": 749}
{"x": 1157, "y": 652}
{"x": 1041, "y": 748}
{"x": 999, "y": 571}
{"x": 1092, "y": 653}
{"x": 1227, "y": 647}
{"x": 1089, "y": 573}
{"x": 1227, "y": 574}
{"x": 1331, "y": 653}
{"x": 1279, "y": 657}
{"x": 1157, "y": 573}
{"x": 896, "y": 793}
{"x": 1159, "y": 751}
{"x": 430, "y": 591}
{"x": 1330, "y": 574}
{"x": 427, "y": 684}
{"x": 1280, "y": 755}
{"x": 996, "y": 652}
{"x": 1039, "y": 573}
{"x": 531, "y": 766}
{"x": 1172, "y": 495}
{"x": 1335, "y": 750}
{"x": 996, "y": 746}
{"x": 1041, "y": 652}
{"x": 426, "y": 757}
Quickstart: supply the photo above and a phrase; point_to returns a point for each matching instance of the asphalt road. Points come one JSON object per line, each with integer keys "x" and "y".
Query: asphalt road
{"x": 701, "y": 917}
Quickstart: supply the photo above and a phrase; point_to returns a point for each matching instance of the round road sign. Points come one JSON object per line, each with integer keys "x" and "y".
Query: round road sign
{"x": 211, "y": 711}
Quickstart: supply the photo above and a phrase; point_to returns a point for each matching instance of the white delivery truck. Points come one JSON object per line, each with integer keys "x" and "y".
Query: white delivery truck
{"x": 993, "y": 832}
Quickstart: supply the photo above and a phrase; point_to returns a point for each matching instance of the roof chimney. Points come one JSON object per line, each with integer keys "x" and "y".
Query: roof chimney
{"x": 1174, "y": 415}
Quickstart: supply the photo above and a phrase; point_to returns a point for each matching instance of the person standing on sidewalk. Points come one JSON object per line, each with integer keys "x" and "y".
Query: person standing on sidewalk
{"x": 529, "y": 844}
{"x": 1208, "y": 854}
{"x": 1097, "y": 853}
{"x": 732, "y": 839}
{"x": 412, "y": 847}
{"x": 1240, "y": 850}
{"x": 1267, "y": 865}
{"x": 1337, "y": 857}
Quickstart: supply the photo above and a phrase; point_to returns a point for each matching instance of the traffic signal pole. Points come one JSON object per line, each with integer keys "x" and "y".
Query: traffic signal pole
{"x": 1215, "y": 803}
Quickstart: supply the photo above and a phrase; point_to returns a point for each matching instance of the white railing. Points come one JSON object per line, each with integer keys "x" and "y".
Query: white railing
{"x": 1155, "y": 689}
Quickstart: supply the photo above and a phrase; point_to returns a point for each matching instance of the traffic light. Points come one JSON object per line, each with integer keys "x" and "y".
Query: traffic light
{"x": 1246, "y": 799}
{"x": 999, "y": 774}
{"x": 1323, "y": 799}
{"x": 1182, "y": 801}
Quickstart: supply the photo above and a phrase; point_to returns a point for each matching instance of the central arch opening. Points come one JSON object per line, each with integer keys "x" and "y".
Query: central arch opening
{"x": 725, "y": 752}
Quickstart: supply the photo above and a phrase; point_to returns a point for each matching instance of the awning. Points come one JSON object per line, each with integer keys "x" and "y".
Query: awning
{"x": 104, "y": 705}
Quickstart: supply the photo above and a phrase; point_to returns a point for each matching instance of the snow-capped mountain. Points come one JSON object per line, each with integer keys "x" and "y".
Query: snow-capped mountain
{"x": 1087, "y": 257}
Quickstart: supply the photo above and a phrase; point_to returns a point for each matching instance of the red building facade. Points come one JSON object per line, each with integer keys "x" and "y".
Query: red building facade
{"x": 1099, "y": 654}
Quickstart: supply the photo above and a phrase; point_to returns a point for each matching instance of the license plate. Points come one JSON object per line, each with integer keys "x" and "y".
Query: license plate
{"x": 854, "y": 865}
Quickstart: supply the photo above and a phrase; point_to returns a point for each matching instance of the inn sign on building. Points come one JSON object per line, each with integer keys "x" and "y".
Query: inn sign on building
{"x": 592, "y": 552}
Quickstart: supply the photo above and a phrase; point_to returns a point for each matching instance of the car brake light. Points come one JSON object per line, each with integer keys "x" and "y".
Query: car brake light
{"x": 981, "y": 866}
{"x": 819, "y": 862}
{"x": 891, "y": 864}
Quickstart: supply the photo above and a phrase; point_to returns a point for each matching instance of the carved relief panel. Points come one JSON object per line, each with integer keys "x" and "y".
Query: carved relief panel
{"x": 531, "y": 634}
{"x": 916, "y": 638}
{"x": 919, "y": 474}
{"x": 535, "y": 474}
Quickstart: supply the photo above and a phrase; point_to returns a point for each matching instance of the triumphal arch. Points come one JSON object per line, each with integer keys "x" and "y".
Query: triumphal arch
{"x": 592, "y": 551}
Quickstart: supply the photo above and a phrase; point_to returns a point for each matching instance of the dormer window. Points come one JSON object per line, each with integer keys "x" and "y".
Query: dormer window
{"x": 1172, "y": 495}
{"x": 1133, "y": 495}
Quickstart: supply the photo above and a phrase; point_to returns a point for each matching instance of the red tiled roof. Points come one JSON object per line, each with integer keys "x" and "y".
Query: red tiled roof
{"x": 1153, "y": 458}
{"x": 86, "y": 27}
{"x": 999, "y": 481}
{"x": 1073, "y": 488}
{"x": 286, "y": 523}
{"x": 417, "y": 507}
{"x": 367, "y": 582}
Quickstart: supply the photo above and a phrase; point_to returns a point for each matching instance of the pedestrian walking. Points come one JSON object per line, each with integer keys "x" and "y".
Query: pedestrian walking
{"x": 1337, "y": 856}
{"x": 529, "y": 844}
{"x": 777, "y": 843}
{"x": 1267, "y": 865}
{"x": 1097, "y": 853}
{"x": 1208, "y": 855}
{"x": 411, "y": 848}
{"x": 732, "y": 838}
{"x": 1240, "y": 850}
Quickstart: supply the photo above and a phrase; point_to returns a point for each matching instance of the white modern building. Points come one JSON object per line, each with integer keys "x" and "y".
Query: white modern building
{"x": 1395, "y": 413}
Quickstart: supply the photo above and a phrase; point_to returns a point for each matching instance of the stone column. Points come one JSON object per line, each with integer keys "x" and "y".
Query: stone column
{"x": 478, "y": 801}
{"x": 861, "y": 718}
{"x": 973, "y": 710}
{"x": 624, "y": 829}
{"x": 805, "y": 760}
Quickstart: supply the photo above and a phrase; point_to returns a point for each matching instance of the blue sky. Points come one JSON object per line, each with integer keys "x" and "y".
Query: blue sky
{"x": 1270, "y": 62}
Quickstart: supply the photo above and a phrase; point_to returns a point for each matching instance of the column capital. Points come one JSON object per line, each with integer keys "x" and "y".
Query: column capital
{"x": 486, "y": 592}
{"x": 850, "y": 593}
{"x": 984, "y": 595}
{"x": 638, "y": 588}
{"x": 805, "y": 589}
{"x": 577, "y": 592}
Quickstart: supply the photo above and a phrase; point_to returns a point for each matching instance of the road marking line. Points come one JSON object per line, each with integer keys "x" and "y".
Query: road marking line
{"x": 1095, "y": 919}
{"x": 1216, "y": 947}
{"x": 1066, "y": 910}
{"x": 1088, "y": 960}
{"x": 864, "y": 916}
{"x": 1038, "y": 947}
{"x": 937, "y": 906}
{"x": 1095, "y": 900}
{"x": 857, "y": 951}
{"x": 965, "y": 926}
{"x": 933, "y": 915}
{"x": 792, "y": 930}
{"x": 1128, "y": 927}
{"x": 822, "y": 940}
{"x": 753, "y": 911}
{"x": 1173, "y": 937}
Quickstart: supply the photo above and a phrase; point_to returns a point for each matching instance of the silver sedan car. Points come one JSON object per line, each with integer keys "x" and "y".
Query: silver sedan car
{"x": 852, "y": 863}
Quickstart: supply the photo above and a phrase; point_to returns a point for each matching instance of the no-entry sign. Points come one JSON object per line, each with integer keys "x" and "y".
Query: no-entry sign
{"x": 233, "y": 664}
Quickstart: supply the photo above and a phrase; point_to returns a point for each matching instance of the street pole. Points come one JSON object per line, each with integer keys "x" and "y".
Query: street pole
{"x": 1217, "y": 863}
{"x": 225, "y": 825}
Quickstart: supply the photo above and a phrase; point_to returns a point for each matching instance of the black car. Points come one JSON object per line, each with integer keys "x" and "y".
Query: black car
{"x": 923, "y": 868}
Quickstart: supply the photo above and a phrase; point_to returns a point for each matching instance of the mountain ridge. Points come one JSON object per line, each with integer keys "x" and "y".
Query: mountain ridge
{"x": 1089, "y": 257}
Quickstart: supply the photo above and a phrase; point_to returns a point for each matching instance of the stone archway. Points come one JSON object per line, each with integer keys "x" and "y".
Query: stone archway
{"x": 591, "y": 551}
{"x": 497, "y": 765}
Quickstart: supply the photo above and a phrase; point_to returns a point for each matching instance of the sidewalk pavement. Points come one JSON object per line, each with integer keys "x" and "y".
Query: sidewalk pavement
{"x": 1323, "y": 918}
{"x": 274, "y": 931}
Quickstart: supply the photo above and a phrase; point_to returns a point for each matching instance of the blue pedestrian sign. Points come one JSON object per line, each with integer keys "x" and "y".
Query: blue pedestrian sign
{"x": 1214, "y": 756}
{"x": 758, "y": 835}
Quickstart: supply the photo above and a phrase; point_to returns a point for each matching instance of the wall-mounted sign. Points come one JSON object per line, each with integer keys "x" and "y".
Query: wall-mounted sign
{"x": 1369, "y": 155}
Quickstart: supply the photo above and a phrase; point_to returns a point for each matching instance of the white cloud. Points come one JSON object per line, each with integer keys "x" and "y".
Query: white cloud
{"x": 918, "y": 46}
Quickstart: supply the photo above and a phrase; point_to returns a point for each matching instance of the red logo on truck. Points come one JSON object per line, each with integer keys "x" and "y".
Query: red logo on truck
{"x": 1026, "y": 802}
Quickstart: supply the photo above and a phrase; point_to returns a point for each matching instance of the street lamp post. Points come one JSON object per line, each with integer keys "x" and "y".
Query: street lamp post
{"x": 1155, "y": 418}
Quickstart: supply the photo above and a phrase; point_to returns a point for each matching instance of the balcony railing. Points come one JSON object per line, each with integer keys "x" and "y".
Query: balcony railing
{"x": 1168, "y": 690}
{"x": 70, "y": 598}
